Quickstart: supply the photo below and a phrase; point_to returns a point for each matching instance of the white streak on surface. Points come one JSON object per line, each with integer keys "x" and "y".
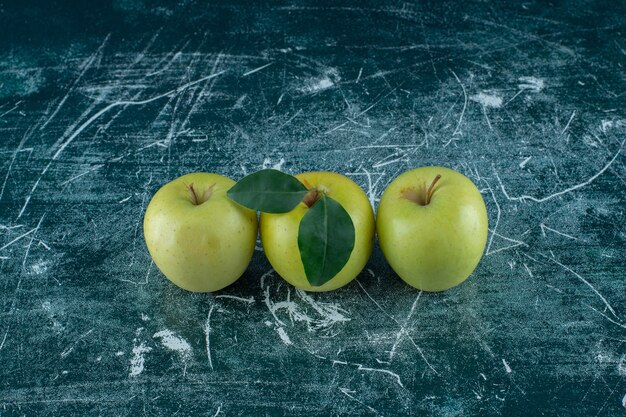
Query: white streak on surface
{"x": 567, "y": 190}
{"x": 385, "y": 371}
{"x": 256, "y": 69}
{"x": 544, "y": 228}
{"x": 319, "y": 85}
{"x": 524, "y": 162}
{"x": 284, "y": 336}
{"x": 329, "y": 313}
{"x": 530, "y": 83}
{"x": 207, "y": 337}
{"x": 249, "y": 300}
{"x": 606, "y": 303}
{"x": 137, "y": 361}
{"x": 507, "y": 368}
{"x": 18, "y": 238}
{"x": 173, "y": 342}
{"x": 568, "y": 122}
{"x": 487, "y": 100}
{"x": 458, "y": 125}
{"x": 347, "y": 392}
{"x": 70, "y": 349}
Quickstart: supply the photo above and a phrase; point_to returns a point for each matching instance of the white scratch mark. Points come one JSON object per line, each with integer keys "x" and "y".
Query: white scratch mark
{"x": 330, "y": 313}
{"x": 284, "y": 336}
{"x": 458, "y": 125}
{"x": 4, "y": 338}
{"x": 85, "y": 65}
{"x": 207, "y": 336}
{"x": 348, "y": 393}
{"x": 487, "y": 118}
{"x": 358, "y": 78}
{"x": 419, "y": 350}
{"x": 568, "y": 122}
{"x": 125, "y": 199}
{"x": 80, "y": 175}
{"x": 528, "y": 270}
{"x": 544, "y": 228}
{"x": 17, "y": 150}
{"x": 371, "y": 106}
{"x": 335, "y": 128}
{"x": 403, "y": 330}
{"x": 18, "y": 238}
{"x": 31, "y": 242}
{"x": 39, "y": 268}
{"x": 583, "y": 280}
{"x": 513, "y": 98}
{"x": 219, "y": 410}
{"x": 567, "y": 190}
{"x": 507, "y": 368}
{"x": 11, "y": 109}
{"x": 385, "y": 371}
{"x": 256, "y": 69}
{"x": 316, "y": 85}
{"x": 173, "y": 342}
{"x": 600, "y": 313}
{"x": 495, "y": 228}
{"x": 70, "y": 349}
{"x": 249, "y": 300}
{"x": 530, "y": 83}
{"x": 290, "y": 119}
{"x": 393, "y": 161}
{"x": 93, "y": 118}
{"x": 487, "y": 100}
{"x": 138, "y": 360}
{"x": 33, "y": 190}
{"x": 605, "y": 125}
{"x": 524, "y": 162}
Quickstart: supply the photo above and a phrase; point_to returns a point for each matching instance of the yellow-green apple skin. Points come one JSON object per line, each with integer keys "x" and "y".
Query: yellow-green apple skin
{"x": 279, "y": 232}
{"x": 199, "y": 247}
{"x": 436, "y": 246}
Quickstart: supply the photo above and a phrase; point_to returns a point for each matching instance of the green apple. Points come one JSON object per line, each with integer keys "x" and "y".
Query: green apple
{"x": 432, "y": 227}
{"x": 279, "y": 232}
{"x": 199, "y": 238}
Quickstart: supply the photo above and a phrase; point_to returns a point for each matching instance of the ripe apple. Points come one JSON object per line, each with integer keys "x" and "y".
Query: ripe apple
{"x": 432, "y": 227}
{"x": 279, "y": 232}
{"x": 199, "y": 238}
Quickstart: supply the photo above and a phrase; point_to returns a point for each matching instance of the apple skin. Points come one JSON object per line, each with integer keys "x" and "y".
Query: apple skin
{"x": 279, "y": 232}
{"x": 436, "y": 246}
{"x": 204, "y": 247}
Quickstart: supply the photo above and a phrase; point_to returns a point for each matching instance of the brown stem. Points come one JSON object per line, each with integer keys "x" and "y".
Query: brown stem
{"x": 194, "y": 196}
{"x": 311, "y": 197}
{"x": 429, "y": 193}
{"x": 205, "y": 196}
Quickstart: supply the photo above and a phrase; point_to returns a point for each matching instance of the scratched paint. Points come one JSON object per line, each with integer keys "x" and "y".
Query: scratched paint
{"x": 99, "y": 110}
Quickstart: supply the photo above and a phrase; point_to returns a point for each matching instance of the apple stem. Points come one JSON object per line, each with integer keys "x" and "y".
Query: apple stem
{"x": 311, "y": 197}
{"x": 194, "y": 196}
{"x": 205, "y": 196}
{"x": 429, "y": 193}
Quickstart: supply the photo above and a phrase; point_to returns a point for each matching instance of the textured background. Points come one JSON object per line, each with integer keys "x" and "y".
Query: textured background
{"x": 101, "y": 105}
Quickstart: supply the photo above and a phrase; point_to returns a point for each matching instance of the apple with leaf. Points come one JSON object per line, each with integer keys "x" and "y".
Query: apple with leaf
{"x": 317, "y": 228}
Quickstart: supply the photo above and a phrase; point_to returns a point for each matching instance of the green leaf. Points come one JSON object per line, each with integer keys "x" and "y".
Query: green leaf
{"x": 325, "y": 240}
{"x": 268, "y": 190}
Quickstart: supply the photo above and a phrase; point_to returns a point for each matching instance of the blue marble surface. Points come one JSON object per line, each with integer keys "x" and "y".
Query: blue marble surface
{"x": 100, "y": 105}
